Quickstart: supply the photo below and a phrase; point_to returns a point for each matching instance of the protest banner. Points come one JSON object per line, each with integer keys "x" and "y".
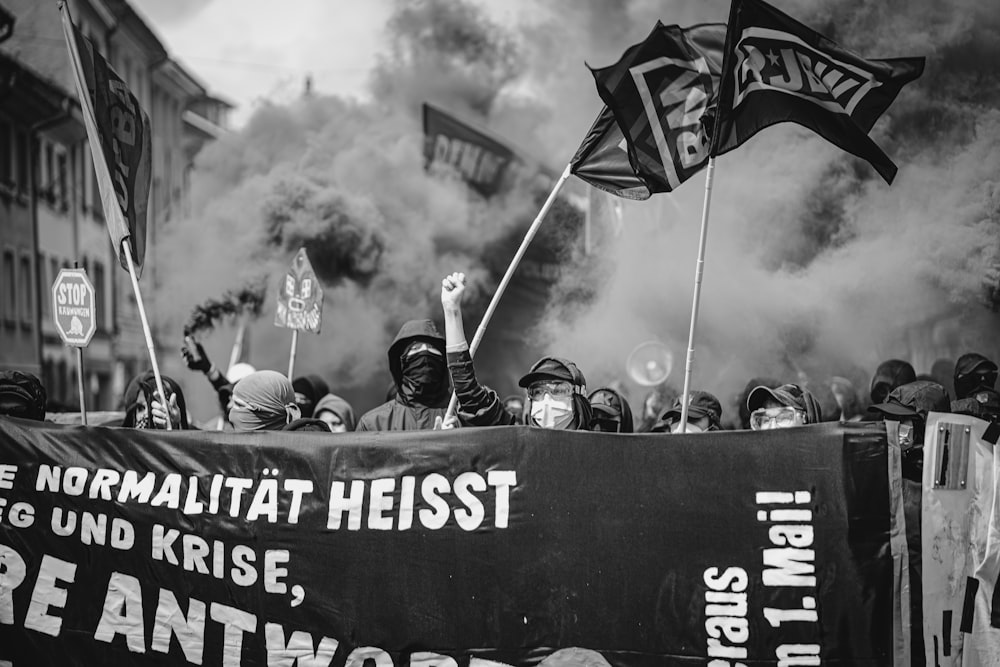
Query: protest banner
{"x": 513, "y": 545}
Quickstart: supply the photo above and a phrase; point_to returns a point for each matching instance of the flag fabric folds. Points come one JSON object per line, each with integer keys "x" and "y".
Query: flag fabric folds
{"x": 778, "y": 70}
{"x": 119, "y": 133}
{"x": 650, "y": 137}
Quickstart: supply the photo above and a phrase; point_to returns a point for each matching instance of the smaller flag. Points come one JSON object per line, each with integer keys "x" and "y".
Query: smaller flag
{"x": 479, "y": 158}
{"x": 120, "y": 143}
{"x": 650, "y": 136}
{"x": 778, "y": 70}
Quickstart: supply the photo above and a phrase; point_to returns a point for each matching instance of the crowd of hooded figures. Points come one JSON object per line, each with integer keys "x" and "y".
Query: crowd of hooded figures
{"x": 427, "y": 368}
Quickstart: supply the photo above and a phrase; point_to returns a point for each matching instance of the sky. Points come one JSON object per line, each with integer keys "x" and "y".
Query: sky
{"x": 249, "y": 50}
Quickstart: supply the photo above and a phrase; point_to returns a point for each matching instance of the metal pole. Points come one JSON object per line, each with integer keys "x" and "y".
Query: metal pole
{"x": 291, "y": 356}
{"x": 79, "y": 384}
{"x": 528, "y": 236}
{"x": 699, "y": 270}
{"x": 127, "y": 250}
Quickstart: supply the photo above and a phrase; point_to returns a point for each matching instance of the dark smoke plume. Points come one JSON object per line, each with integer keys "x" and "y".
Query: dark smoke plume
{"x": 246, "y": 301}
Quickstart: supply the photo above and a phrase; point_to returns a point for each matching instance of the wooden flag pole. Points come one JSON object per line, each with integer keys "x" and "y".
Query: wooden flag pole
{"x": 79, "y": 384}
{"x": 698, "y": 271}
{"x": 528, "y": 236}
{"x": 127, "y": 251}
{"x": 291, "y": 356}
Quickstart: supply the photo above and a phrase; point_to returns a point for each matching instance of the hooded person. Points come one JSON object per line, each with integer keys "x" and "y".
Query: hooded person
{"x": 704, "y": 414}
{"x": 308, "y": 390}
{"x": 889, "y": 375}
{"x": 263, "y": 401}
{"x": 556, "y": 389}
{"x": 611, "y": 412}
{"x": 22, "y": 396}
{"x": 144, "y": 410}
{"x": 336, "y": 412}
{"x": 420, "y": 373}
{"x": 975, "y": 387}
{"x": 782, "y": 407}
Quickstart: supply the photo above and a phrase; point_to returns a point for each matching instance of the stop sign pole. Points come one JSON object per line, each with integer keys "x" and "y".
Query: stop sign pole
{"x": 74, "y": 310}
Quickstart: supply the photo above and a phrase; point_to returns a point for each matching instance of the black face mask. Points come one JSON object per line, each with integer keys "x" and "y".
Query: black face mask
{"x": 425, "y": 378}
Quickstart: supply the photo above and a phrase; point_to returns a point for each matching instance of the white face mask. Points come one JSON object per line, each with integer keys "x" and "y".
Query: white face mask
{"x": 555, "y": 413}
{"x": 692, "y": 428}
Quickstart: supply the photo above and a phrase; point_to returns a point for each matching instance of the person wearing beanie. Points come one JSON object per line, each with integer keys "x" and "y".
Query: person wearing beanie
{"x": 556, "y": 389}
{"x": 782, "y": 407}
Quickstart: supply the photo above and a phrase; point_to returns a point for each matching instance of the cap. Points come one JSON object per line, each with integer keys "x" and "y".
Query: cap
{"x": 606, "y": 401}
{"x": 787, "y": 394}
{"x": 701, "y": 404}
{"x": 915, "y": 399}
{"x": 972, "y": 362}
{"x": 553, "y": 368}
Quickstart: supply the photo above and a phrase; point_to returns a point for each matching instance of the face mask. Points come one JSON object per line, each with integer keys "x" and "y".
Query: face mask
{"x": 554, "y": 413}
{"x": 424, "y": 377}
{"x": 692, "y": 428}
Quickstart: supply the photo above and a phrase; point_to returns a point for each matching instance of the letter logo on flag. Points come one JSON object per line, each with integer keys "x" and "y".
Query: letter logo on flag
{"x": 778, "y": 70}
{"x": 120, "y": 143}
{"x": 658, "y": 93}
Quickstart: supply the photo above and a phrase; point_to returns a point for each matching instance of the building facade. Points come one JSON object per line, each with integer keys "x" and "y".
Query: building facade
{"x": 51, "y": 215}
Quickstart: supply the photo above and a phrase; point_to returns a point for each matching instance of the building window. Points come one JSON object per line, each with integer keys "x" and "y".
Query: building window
{"x": 26, "y": 293}
{"x": 9, "y": 288}
{"x": 21, "y": 160}
{"x": 99, "y": 300}
{"x": 61, "y": 175}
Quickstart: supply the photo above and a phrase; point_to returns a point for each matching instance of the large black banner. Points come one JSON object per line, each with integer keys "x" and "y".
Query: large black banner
{"x": 514, "y": 545}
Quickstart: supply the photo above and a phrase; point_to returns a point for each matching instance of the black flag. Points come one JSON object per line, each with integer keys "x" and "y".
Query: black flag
{"x": 778, "y": 70}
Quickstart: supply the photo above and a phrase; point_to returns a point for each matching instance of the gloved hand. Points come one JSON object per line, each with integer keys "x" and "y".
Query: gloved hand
{"x": 194, "y": 355}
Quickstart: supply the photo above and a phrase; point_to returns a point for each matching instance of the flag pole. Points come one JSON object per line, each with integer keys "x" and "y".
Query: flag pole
{"x": 291, "y": 356}
{"x": 127, "y": 250}
{"x": 79, "y": 385}
{"x": 698, "y": 272}
{"x": 528, "y": 236}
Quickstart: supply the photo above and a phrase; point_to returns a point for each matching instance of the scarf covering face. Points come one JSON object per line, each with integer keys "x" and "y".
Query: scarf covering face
{"x": 262, "y": 401}
{"x": 424, "y": 378}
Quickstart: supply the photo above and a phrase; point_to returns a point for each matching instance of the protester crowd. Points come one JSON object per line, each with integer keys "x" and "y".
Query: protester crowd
{"x": 427, "y": 368}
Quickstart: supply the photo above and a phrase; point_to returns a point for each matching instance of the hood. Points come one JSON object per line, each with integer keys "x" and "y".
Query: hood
{"x": 611, "y": 402}
{"x": 312, "y": 387}
{"x": 889, "y": 375}
{"x": 146, "y": 383}
{"x": 339, "y": 407}
{"x": 555, "y": 368}
{"x": 414, "y": 330}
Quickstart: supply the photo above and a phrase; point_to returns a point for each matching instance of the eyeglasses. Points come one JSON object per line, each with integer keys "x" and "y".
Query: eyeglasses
{"x": 417, "y": 348}
{"x": 554, "y": 388}
{"x": 783, "y": 417}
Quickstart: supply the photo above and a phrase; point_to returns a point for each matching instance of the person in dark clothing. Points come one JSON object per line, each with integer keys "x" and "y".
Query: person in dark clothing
{"x": 143, "y": 409}
{"x": 889, "y": 375}
{"x": 653, "y": 405}
{"x": 420, "y": 372}
{"x": 612, "y": 413}
{"x": 308, "y": 390}
{"x": 704, "y": 414}
{"x": 308, "y": 424}
{"x": 22, "y": 395}
{"x": 975, "y": 387}
{"x": 556, "y": 389}
{"x": 741, "y": 399}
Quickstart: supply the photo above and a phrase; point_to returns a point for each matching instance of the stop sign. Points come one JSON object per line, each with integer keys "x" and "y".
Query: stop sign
{"x": 74, "y": 307}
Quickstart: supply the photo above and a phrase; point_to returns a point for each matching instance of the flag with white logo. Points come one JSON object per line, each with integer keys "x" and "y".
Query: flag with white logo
{"x": 650, "y": 136}
{"x": 778, "y": 70}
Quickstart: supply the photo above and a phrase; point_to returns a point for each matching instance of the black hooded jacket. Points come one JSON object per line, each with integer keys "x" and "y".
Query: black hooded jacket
{"x": 400, "y": 413}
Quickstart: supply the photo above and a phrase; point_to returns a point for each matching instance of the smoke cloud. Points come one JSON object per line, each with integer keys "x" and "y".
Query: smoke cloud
{"x": 814, "y": 266}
